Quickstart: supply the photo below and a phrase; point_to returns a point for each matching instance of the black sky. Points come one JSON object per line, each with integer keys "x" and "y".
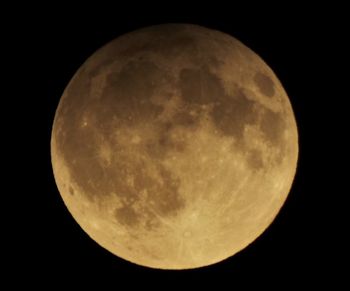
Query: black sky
{"x": 289, "y": 39}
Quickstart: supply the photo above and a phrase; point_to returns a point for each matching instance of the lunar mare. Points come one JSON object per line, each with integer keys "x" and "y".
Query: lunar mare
{"x": 174, "y": 146}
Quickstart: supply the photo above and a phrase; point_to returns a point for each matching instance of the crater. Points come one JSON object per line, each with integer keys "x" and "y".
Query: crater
{"x": 164, "y": 142}
{"x": 126, "y": 215}
{"x": 265, "y": 84}
{"x": 272, "y": 125}
{"x": 199, "y": 86}
{"x": 150, "y": 193}
{"x": 80, "y": 151}
{"x": 73, "y": 100}
{"x": 168, "y": 198}
{"x": 184, "y": 118}
{"x": 126, "y": 95}
{"x": 170, "y": 144}
{"x": 232, "y": 114}
{"x": 98, "y": 68}
{"x": 71, "y": 190}
{"x": 129, "y": 92}
{"x": 254, "y": 159}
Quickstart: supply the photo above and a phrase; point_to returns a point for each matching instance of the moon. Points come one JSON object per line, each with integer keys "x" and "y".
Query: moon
{"x": 174, "y": 146}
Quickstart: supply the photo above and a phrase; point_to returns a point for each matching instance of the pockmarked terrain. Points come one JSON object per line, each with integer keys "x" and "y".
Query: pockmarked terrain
{"x": 174, "y": 146}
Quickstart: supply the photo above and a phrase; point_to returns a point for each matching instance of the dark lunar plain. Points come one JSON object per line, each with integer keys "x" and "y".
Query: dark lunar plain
{"x": 293, "y": 250}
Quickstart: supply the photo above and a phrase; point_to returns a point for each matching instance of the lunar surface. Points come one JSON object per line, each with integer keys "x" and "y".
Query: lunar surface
{"x": 174, "y": 146}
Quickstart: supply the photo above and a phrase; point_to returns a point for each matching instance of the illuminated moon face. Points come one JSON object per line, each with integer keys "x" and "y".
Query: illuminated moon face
{"x": 174, "y": 146}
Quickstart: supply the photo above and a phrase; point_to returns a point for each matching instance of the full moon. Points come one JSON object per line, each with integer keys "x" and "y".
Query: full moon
{"x": 174, "y": 146}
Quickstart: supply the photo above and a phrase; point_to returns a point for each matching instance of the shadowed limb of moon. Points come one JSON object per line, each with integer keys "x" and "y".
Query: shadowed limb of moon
{"x": 174, "y": 146}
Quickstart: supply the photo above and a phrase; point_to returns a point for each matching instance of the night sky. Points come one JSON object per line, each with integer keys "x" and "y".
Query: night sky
{"x": 292, "y": 250}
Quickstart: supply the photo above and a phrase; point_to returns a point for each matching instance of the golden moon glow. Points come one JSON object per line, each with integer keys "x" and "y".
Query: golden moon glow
{"x": 174, "y": 146}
